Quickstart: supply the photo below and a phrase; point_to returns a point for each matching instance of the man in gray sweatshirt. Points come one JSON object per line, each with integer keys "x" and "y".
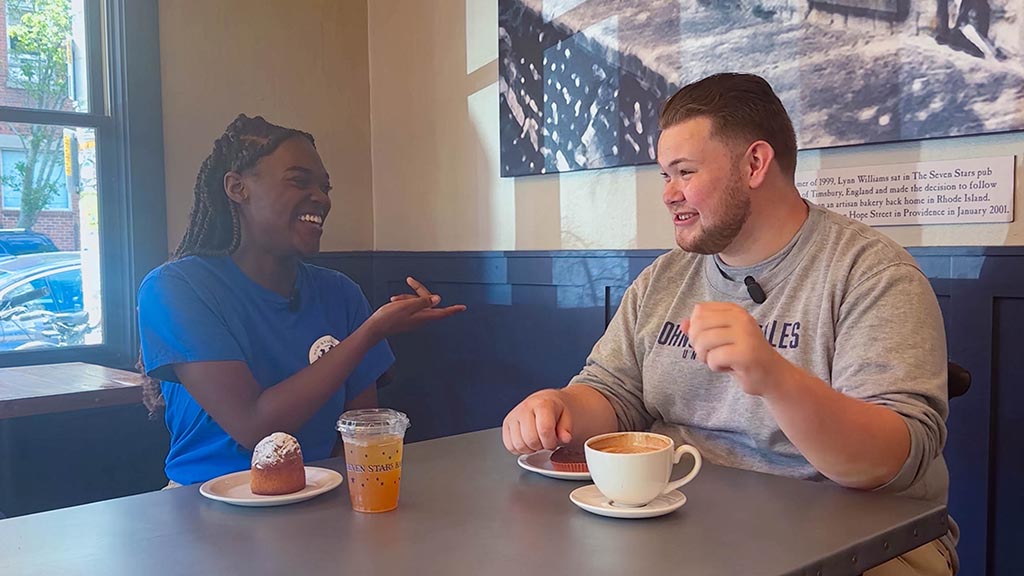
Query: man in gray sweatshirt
{"x": 838, "y": 373}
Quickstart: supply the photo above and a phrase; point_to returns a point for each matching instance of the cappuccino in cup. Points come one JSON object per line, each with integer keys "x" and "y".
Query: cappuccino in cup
{"x": 633, "y": 468}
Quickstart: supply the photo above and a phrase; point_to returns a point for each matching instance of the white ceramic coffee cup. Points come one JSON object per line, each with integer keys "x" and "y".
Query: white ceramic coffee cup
{"x": 634, "y": 479}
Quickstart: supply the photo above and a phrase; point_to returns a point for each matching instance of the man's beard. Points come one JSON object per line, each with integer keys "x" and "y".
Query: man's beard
{"x": 714, "y": 237}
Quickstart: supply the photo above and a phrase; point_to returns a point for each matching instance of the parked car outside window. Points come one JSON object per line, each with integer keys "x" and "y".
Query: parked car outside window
{"x": 16, "y": 242}
{"x": 41, "y": 301}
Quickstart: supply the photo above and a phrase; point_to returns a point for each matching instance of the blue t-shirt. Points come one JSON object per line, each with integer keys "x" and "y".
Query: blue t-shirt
{"x": 203, "y": 309}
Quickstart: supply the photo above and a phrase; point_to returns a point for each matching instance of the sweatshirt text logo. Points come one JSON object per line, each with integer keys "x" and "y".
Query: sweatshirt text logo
{"x": 781, "y": 335}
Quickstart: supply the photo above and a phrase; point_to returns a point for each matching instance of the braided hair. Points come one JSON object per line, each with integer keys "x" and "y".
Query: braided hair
{"x": 213, "y": 227}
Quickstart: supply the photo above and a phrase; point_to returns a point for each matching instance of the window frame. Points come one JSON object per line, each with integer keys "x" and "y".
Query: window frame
{"x": 125, "y": 111}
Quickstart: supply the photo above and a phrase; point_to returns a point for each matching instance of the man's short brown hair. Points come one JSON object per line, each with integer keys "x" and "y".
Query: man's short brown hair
{"x": 741, "y": 107}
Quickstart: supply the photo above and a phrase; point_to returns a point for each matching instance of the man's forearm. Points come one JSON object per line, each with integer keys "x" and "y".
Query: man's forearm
{"x": 592, "y": 413}
{"x": 854, "y": 443}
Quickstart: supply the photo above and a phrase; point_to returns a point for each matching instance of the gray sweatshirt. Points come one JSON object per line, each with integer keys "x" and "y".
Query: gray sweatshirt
{"x": 845, "y": 303}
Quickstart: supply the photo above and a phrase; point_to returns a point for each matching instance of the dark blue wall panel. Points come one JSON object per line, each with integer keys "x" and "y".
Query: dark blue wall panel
{"x": 533, "y": 317}
{"x": 1007, "y": 498}
{"x": 70, "y": 458}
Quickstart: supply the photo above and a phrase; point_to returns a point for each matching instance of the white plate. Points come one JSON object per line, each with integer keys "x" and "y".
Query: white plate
{"x": 234, "y": 488}
{"x": 540, "y": 462}
{"x": 590, "y": 499}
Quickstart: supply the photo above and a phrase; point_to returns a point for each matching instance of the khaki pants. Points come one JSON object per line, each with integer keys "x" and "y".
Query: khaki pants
{"x": 928, "y": 560}
{"x": 171, "y": 484}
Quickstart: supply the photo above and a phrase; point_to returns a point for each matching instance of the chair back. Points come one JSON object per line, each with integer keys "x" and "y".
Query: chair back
{"x": 959, "y": 380}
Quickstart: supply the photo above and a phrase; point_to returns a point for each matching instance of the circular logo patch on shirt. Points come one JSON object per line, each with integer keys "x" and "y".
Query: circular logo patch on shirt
{"x": 321, "y": 346}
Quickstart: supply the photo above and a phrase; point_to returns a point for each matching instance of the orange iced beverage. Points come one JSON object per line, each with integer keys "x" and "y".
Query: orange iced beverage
{"x": 373, "y": 457}
{"x": 374, "y": 471}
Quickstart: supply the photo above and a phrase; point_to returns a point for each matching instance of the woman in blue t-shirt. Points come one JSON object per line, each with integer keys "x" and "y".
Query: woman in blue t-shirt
{"x": 245, "y": 337}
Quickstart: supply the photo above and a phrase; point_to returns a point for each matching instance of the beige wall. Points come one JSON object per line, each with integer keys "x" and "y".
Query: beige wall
{"x": 433, "y": 74}
{"x": 434, "y": 125}
{"x": 300, "y": 63}
{"x": 412, "y": 84}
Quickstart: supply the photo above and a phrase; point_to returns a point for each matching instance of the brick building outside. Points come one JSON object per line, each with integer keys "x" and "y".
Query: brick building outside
{"x": 59, "y": 223}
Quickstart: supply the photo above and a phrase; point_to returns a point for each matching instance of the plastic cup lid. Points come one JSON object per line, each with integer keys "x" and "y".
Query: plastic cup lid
{"x": 373, "y": 421}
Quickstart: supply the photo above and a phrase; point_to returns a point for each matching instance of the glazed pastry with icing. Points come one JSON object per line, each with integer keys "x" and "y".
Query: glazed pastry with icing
{"x": 277, "y": 466}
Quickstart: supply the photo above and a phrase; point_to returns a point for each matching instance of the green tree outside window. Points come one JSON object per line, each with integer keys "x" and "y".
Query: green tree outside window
{"x": 40, "y": 45}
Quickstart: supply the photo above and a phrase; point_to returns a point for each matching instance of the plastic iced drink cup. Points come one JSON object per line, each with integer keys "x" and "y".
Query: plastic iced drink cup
{"x": 373, "y": 441}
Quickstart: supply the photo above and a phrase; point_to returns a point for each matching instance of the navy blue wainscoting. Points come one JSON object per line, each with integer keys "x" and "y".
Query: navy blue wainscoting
{"x": 65, "y": 459}
{"x": 532, "y": 319}
{"x": 534, "y": 316}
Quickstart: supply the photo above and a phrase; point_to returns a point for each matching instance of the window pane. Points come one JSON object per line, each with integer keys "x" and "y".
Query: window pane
{"x": 13, "y": 166}
{"x": 49, "y": 238}
{"x": 44, "y": 63}
{"x": 66, "y": 290}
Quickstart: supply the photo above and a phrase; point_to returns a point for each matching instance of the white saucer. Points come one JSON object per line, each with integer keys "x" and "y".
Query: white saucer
{"x": 540, "y": 462}
{"x": 590, "y": 499}
{"x": 234, "y": 488}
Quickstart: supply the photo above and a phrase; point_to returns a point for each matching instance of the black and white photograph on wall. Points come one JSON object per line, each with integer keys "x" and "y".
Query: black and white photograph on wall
{"x": 581, "y": 82}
